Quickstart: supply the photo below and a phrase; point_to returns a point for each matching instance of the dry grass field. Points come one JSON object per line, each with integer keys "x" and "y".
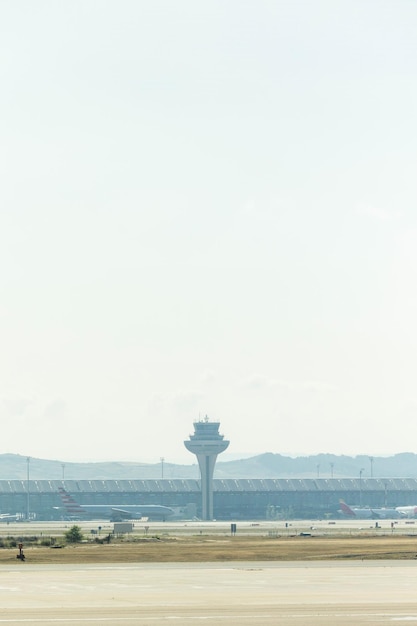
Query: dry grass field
{"x": 207, "y": 548}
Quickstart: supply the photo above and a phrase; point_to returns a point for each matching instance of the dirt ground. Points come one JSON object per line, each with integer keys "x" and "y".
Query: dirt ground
{"x": 204, "y": 549}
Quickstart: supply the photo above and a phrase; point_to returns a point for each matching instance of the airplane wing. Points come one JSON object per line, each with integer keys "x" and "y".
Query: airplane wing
{"x": 125, "y": 512}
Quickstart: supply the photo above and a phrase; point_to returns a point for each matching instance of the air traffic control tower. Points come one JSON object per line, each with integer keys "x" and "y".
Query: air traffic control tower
{"x": 206, "y": 444}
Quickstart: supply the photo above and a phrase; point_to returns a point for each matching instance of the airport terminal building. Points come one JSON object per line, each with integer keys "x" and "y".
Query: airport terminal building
{"x": 240, "y": 499}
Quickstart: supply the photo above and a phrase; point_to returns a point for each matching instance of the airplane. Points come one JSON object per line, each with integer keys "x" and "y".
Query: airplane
{"x": 355, "y": 512}
{"x": 75, "y": 510}
{"x": 8, "y": 517}
{"x": 407, "y": 511}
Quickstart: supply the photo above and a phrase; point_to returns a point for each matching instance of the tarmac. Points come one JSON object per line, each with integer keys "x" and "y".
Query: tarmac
{"x": 252, "y": 594}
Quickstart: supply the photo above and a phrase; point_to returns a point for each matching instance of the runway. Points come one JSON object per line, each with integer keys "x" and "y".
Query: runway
{"x": 328, "y": 528}
{"x": 254, "y": 594}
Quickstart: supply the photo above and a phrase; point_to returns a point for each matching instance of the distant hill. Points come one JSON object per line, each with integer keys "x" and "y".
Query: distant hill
{"x": 268, "y": 465}
{"x": 14, "y": 466}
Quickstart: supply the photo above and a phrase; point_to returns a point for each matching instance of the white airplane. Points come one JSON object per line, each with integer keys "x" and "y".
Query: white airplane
{"x": 112, "y": 511}
{"x": 8, "y": 517}
{"x": 368, "y": 513}
{"x": 407, "y": 511}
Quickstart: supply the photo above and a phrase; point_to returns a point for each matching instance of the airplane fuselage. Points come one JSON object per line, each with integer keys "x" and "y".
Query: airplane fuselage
{"x": 127, "y": 510}
{"x": 407, "y": 511}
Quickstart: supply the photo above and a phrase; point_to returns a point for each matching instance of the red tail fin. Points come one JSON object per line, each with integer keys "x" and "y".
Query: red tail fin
{"x": 346, "y": 510}
{"x": 71, "y": 506}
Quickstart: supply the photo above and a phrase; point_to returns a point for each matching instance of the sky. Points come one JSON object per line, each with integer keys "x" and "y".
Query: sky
{"x": 207, "y": 208}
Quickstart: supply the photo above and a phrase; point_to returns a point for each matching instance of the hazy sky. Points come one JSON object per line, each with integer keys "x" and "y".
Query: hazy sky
{"x": 208, "y": 207}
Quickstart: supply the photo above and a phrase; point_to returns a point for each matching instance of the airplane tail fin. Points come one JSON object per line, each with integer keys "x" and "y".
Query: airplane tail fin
{"x": 346, "y": 510}
{"x": 72, "y": 507}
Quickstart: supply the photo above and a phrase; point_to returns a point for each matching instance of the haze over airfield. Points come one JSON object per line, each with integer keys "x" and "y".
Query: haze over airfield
{"x": 208, "y": 208}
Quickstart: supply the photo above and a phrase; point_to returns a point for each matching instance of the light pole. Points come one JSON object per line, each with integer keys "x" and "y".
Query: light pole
{"x": 162, "y": 466}
{"x": 371, "y": 459}
{"x": 331, "y": 469}
{"x": 318, "y": 470}
{"x": 27, "y": 487}
{"x": 360, "y": 485}
{"x": 63, "y": 471}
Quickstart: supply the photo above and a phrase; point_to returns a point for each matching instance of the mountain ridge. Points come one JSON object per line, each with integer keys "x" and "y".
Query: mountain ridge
{"x": 266, "y": 465}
